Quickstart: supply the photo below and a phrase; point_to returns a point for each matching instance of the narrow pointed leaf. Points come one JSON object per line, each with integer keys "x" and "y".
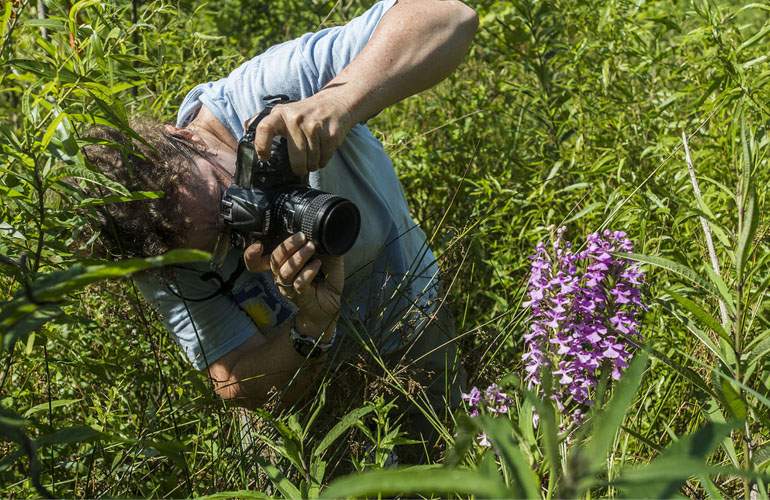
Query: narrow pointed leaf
{"x": 347, "y": 422}
{"x": 228, "y": 495}
{"x": 51, "y": 130}
{"x": 676, "y": 268}
{"x": 721, "y": 287}
{"x": 280, "y": 481}
{"x": 732, "y": 400}
{"x": 758, "y": 352}
{"x": 705, "y": 318}
{"x": 743, "y": 251}
{"x": 683, "y": 459}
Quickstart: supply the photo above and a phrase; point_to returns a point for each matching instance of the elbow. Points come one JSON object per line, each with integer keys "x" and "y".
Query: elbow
{"x": 235, "y": 393}
{"x": 466, "y": 19}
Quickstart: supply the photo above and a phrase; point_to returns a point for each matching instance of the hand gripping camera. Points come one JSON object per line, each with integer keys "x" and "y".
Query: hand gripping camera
{"x": 268, "y": 202}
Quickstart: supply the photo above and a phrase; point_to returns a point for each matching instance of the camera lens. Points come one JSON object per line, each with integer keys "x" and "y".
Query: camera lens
{"x": 339, "y": 226}
{"x": 331, "y": 222}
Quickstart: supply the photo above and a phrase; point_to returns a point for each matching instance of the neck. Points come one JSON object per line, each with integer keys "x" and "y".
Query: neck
{"x": 216, "y": 135}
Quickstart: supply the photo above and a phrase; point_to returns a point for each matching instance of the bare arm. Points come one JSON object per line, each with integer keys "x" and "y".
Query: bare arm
{"x": 248, "y": 374}
{"x": 417, "y": 44}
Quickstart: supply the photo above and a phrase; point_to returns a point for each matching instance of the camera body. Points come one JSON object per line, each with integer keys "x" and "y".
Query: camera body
{"x": 268, "y": 202}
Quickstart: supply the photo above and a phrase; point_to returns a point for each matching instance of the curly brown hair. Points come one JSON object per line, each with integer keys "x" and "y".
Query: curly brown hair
{"x": 159, "y": 162}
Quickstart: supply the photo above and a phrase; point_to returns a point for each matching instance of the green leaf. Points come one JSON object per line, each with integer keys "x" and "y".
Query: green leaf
{"x": 727, "y": 358}
{"x": 732, "y": 400}
{"x": 587, "y": 210}
{"x": 756, "y": 38}
{"x": 683, "y": 459}
{"x": 749, "y": 229}
{"x": 135, "y": 196}
{"x": 48, "y": 23}
{"x": 24, "y": 314}
{"x": 606, "y": 423}
{"x": 463, "y": 441}
{"x": 414, "y": 481}
{"x": 761, "y": 456}
{"x": 499, "y": 431}
{"x": 291, "y": 445}
{"x": 19, "y": 318}
{"x": 173, "y": 450}
{"x": 721, "y": 286}
{"x": 55, "y": 289}
{"x": 318, "y": 403}
{"x": 51, "y": 130}
{"x": 229, "y": 495}
{"x": 700, "y": 314}
{"x": 77, "y": 7}
{"x": 546, "y": 410}
{"x": 11, "y": 429}
{"x": 676, "y": 268}
{"x": 280, "y": 481}
{"x": 44, "y": 406}
{"x": 7, "y": 11}
{"x": 75, "y": 434}
{"x": 348, "y": 421}
{"x": 758, "y": 351}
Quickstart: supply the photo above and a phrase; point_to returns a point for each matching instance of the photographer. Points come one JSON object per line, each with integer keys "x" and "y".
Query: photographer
{"x": 253, "y": 329}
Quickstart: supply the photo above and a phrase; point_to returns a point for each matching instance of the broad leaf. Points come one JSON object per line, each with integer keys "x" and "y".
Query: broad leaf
{"x": 589, "y": 459}
{"x": 499, "y": 431}
{"x": 418, "y": 481}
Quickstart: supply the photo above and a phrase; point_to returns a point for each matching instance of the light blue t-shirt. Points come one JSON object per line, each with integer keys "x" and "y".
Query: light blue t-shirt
{"x": 391, "y": 274}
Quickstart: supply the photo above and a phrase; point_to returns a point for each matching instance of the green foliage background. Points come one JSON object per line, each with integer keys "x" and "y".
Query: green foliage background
{"x": 565, "y": 112}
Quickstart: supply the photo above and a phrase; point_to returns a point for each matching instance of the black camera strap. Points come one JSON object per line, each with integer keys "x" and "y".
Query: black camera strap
{"x": 225, "y": 286}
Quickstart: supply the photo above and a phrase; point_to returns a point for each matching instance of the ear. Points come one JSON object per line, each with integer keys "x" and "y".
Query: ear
{"x": 186, "y": 135}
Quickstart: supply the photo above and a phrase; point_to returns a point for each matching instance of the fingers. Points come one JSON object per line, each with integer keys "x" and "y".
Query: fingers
{"x": 313, "y": 134}
{"x": 311, "y": 139}
{"x": 306, "y": 276}
{"x": 298, "y": 149}
{"x": 287, "y": 123}
{"x": 326, "y": 151}
{"x": 254, "y": 260}
{"x": 291, "y": 256}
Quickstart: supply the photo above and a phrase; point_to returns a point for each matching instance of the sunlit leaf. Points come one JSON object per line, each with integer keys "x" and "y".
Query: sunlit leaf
{"x": 417, "y": 481}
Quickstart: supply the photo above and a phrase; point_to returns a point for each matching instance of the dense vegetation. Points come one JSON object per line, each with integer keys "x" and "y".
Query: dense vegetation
{"x": 566, "y": 112}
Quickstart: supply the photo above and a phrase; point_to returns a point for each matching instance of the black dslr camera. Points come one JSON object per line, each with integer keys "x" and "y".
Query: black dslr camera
{"x": 268, "y": 202}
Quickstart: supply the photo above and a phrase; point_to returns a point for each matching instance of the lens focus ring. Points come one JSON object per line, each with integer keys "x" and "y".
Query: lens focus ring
{"x": 309, "y": 218}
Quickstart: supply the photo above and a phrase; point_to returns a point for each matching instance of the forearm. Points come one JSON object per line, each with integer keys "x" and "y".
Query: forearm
{"x": 417, "y": 44}
{"x": 248, "y": 375}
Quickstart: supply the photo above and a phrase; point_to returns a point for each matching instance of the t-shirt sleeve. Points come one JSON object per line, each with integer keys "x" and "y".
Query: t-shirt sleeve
{"x": 205, "y": 330}
{"x": 298, "y": 68}
{"x": 327, "y": 52}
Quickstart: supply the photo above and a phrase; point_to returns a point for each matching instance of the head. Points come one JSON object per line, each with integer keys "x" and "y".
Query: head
{"x": 169, "y": 160}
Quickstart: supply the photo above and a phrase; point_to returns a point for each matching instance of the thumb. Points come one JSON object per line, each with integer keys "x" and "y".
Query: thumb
{"x": 254, "y": 260}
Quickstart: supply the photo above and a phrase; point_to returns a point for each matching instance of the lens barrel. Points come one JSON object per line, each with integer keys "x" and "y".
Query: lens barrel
{"x": 331, "y": 222}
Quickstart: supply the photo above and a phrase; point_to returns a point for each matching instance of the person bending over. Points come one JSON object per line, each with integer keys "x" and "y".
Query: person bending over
{"x": 249, "y": 334}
